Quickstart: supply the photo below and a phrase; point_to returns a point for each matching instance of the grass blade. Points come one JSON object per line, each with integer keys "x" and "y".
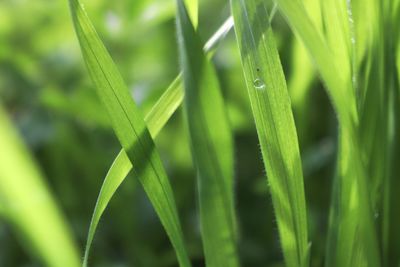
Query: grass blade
{"x": 28, "y": 206}
{"x": 337, "y": 32}
{"x": 193, "y": 9}
{"x": 398, "y": 61}
{"x": 157, "y": 117}
{"x": 352, "y": 239}
{"x": 115, "y": 176}
{"x": 130, "y": 128}
{"x": 211, "y": 146}
{"x": 275, "y": 125}
{"x": 303, "y": 77}
{"x": 336, "y": 81}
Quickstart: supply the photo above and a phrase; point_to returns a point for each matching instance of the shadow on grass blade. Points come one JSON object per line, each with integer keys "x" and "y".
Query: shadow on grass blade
{"x": 130, "y": 129}
{"x": 155, "y": 120}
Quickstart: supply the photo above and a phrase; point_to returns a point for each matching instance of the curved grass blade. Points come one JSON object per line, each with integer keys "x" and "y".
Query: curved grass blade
{"x": 25, "y": 203}
{"x": 336, "y": 81}
{"x": 275, "y": 126}
{"x": 303, "y": 77}
{"x": 300, "y": 85}
{"x": 211, "y": 146}
{"x": 352, "y": 238}
{"x": 155, "y": 120}
{"x": 130, "y": 128}
{"x": 338, "y": 32}
{"x": 115, "y": 176}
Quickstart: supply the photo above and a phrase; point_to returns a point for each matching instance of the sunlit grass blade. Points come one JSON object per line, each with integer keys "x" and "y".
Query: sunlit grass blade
{"x": 28, "y": 206}
{"x": 364, "y": 28}
{"x": 336, "y": 81}
{"x": 275, "y": 126}
{"x": 303, "y": 75}
{"x": 130, "y": 128}
{"x": 165, "y": 107}
{"x": 211, "y": 146}
{"x": 299, "y": 85}
{"x": 157, "y": 117}
{"x": 374, "y": 107}
{"x": 398, "y": 60}
{"x": 352, "y": 238}
{"x": 337, "y": 32}
{"x": 193, "y": 9}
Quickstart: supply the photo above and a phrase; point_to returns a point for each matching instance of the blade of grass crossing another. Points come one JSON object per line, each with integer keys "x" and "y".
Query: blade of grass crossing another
{"x": 155, "y": 120}
{"x": 26, "y": 203}
{"x": 275, "y": 126}
{"x": 130, "y": 128}
{"x": 211, "y": 146}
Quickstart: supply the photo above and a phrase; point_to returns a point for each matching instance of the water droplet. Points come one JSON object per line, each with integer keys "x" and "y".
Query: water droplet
{"x": 259, "y": 84}
{"x": 376, "y": 215}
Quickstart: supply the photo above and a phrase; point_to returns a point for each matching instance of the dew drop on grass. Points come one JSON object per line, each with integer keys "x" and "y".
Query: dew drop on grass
{"x": 259, "y": 84}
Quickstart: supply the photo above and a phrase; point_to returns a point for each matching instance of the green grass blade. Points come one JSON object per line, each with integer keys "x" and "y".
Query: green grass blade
{"x": 301, "y": 80}
{"x": 337, "y": 82}
{"x": 130, "y": 128}
{"x": 337, "y": 32}
{"x": 115, "y": 176}
{"x": 303, "y": 76}
{"x": 155, "y": 120}
{"x": 398, "y": 61}
{"x": 211, "y": 146}
{"x": 275, "y": 126}
{"x": 193, "y": 9}
{"x": 157, "y": 117}
{"x": 165, "y": 107}
{"x": 300, "y": 84}
{"x": 364, "y": 29}
{"x": 374, "y": 120}
{"x": 352, "y": 238}
{"x": 28, "y": 206}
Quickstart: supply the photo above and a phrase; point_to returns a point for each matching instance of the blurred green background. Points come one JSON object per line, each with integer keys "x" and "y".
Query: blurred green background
{"x": 48, "y": 94}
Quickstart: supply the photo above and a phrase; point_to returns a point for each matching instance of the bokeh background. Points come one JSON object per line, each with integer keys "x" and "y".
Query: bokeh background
{"x": 50, "y": 98}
